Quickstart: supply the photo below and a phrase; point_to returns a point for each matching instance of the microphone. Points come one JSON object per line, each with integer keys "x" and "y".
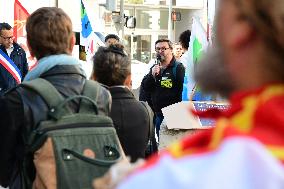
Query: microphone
{"x": 158, "y": 62}
{"x": 159, "y": 58}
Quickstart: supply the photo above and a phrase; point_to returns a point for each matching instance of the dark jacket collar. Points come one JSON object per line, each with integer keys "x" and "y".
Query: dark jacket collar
{"x": 120, "y": 92}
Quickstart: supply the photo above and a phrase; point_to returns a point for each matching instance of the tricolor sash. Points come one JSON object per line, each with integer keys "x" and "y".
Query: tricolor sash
{"x": 10, "y": 66}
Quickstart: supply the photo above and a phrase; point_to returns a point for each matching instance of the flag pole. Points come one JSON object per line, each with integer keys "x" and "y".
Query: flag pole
{"x": 170, "y": 29}
{"x": 122, "y": 20}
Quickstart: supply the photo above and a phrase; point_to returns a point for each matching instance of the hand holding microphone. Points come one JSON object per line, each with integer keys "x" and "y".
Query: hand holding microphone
{"x": 157, "y": 67}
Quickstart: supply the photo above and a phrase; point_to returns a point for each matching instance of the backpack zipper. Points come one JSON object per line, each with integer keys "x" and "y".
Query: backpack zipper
{"x": 71, "y": 126}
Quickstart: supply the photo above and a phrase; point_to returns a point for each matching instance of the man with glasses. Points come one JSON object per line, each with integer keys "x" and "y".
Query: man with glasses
{"x": 14, "y": 66}
{"x": 164, "y": 81}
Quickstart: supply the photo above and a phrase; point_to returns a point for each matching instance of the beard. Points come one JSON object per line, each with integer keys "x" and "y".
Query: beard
{"x": 211, "y": 74}
{"x": 161, "y": 57}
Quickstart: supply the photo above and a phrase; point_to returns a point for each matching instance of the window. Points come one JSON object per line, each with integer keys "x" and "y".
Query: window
{"x": 152, "y": 19}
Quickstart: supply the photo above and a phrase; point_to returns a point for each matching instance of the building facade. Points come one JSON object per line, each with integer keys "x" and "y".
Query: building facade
{"x": 152, "y": 19}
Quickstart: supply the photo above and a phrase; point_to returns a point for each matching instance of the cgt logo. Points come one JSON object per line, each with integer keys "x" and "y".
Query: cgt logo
{"x": 167, "y": 83}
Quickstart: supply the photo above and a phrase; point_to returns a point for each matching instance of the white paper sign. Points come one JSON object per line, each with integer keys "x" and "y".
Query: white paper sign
{"x": 179, "y": 115}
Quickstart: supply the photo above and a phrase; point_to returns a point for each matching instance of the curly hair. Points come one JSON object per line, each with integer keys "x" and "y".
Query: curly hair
{"x": 184, "y": 39}
{"x": 111, "y": 65}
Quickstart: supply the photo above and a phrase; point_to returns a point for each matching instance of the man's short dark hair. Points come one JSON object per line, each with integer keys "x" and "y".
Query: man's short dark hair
{"x": 165, "y": 40}
{"x": 5, "y": 26}
{"x": 110, "y": 36}
{"x": 184, "y": 39}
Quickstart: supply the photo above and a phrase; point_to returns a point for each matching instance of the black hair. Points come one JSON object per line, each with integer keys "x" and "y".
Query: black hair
{"x": 110, "y": 36}
{"x": 111, "y": 65}
{"x": 5, "y": 26}
{"x": 184, "y": 39}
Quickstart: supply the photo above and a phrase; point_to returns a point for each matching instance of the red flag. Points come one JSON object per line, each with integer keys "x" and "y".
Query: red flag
{"x": 20, "y": 17}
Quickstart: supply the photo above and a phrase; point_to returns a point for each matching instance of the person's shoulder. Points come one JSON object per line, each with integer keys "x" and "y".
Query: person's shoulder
{"x": 2, "y": 47}
{"x": 131, "y": 105}
{"x": 18, "y": 48}
{"x": 139, "y": 112}
{"x": 14, "y": 94}
{"x": 185, "y": 57}
{"x": 179, "y": 64}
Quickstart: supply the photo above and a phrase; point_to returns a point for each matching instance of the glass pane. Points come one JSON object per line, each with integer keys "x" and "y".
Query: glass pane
{"x": 164, "y": 20}
{"x": 127, "y": 44}
{"x": 129, "y": 12}
{"x": 142, "y": 48}
{"x": 162, "y": 37}
{"x": 134, "y": 1}
{"x": 152, "y": 19}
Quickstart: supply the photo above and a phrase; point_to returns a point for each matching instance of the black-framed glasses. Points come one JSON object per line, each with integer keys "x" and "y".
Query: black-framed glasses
{"x": 162, "y": 49}
{"x": 7, "y": 38}
{"x": 178, "y": 48}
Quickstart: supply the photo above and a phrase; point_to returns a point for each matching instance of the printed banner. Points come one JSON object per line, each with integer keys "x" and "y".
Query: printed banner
{"x": 197, "y": 46}
{"x": 88, "y": 38}
{"x": 20, "y": 17}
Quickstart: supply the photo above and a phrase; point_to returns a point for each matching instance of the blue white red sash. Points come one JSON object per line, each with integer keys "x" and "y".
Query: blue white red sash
{"x": 10, "y": 66}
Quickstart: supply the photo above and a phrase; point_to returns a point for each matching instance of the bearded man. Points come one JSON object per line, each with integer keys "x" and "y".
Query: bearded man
{"x": 164, "y": 82}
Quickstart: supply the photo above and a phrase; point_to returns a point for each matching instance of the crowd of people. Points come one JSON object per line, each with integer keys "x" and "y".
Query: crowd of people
{"x": 244, "y": 65}
{"x": 245, "y": 148}
{"x": 112, "y": 68}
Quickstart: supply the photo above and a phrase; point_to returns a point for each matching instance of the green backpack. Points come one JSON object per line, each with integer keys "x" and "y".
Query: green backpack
{"x": 70, "y": 150}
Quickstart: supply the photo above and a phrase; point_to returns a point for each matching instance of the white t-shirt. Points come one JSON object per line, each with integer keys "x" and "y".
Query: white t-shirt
{"x": 9, "y": 50}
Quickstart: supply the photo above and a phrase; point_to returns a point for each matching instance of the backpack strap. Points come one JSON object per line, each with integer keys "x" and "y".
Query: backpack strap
{"x": 91, "y": 90}
{"x": 48, "y": 92}
{"x": 175, "y": 69}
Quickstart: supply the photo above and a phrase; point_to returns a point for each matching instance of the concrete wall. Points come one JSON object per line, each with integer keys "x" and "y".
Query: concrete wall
{"x": 72, "y": 8}
{"x": 186, "y": 19}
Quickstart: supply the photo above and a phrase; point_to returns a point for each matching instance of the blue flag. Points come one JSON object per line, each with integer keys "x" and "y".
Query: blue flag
{"x": 86, "y": 24}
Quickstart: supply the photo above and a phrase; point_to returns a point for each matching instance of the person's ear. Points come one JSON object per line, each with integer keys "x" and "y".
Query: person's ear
{"x": 72, "y": 42}
{"x": 128, "y": 81}
{"x": 241, "y": 34}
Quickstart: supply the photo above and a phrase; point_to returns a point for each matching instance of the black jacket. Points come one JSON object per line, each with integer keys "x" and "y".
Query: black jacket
{"x": 131, "y": 121}
{"x": 145, "y": 95}
{"x": 22, "y": 109}
{"x": 165, "y": 89}
{"x": 18, "y": 56}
